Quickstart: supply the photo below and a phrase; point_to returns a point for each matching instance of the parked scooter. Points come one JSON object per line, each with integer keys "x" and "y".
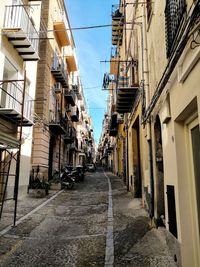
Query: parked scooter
{"x": 67, "y": 179}
{"x": 78, "y": 173}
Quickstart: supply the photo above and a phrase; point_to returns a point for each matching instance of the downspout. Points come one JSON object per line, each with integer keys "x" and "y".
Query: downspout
{"x": 126, "y": 117}
{"x": 127, "y": 160}
{"x": 151, "y": 208}
{"x": 147, "y": 100}
{"x": 61, "y": 114}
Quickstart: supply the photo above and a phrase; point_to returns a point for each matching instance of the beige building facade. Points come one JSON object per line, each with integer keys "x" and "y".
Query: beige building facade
{"x": 19, "y": 55}
{"x": 60, "y": 105}
{"x": 44, "y": 123}
{"x": 156, "y": 69}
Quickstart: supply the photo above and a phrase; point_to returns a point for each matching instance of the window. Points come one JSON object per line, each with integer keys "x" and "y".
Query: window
{"x": 174, "y": 11}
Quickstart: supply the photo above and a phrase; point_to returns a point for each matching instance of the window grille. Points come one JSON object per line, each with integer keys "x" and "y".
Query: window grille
{"x": 174, "y": 11}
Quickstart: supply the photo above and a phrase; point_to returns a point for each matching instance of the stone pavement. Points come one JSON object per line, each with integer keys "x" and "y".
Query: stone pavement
{"x": 97, "y": 224}
{"x": 136, "y": 244}
{"x": 26, "y": 203}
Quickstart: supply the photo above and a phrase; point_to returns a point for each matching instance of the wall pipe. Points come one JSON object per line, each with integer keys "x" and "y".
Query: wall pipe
{"x": 147, "y": 99}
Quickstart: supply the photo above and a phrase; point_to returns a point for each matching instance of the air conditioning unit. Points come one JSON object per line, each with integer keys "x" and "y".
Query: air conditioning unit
{"x": 120, "y": 118}
{"x": 57, "y": 88}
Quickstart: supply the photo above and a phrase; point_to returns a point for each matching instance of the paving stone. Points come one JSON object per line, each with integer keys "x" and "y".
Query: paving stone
{"x": 71, "y": 230}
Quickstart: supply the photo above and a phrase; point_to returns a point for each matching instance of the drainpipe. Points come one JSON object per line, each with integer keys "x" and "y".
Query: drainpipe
{"x": 126, "y": 117}
{"x": 147, "y": 101}
{"x": 59, "y": 155}
{"x": 150, "y": 158}
{"x": 127, "y": 169}
{"x": 61, "y": 114}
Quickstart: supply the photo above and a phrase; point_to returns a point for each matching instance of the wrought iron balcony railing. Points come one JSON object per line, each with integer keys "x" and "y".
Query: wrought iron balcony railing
{"x": 174, "y": 11}
{"x": 113, "y": 125}
{"x": 56, "y": 123}
{"x": 20, "y": 30}
{"x": 70, "y": 97}
{"x": 75, "y": 114}
{"x": 11, "y": 103}
{"x": 58, "y": 70}
{"x": 70, "y": 135}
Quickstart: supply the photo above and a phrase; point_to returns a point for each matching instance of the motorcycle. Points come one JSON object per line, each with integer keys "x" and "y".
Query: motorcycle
{"x": 67, "y": 179}
{"x": 78, "y": 173}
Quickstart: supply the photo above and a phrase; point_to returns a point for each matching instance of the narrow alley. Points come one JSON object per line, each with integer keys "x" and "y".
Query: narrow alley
{"x": 99, "y": 133}
{"x": 74, "y": 229}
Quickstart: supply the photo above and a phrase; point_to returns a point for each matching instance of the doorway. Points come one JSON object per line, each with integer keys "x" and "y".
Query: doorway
{"x": 52, "y": 147}
{"x": 159, "y": 171}
{"x": 137, "y": 179}
{"x": 194, "y": 135}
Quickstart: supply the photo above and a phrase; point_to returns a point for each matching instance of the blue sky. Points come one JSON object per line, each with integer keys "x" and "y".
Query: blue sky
{"x": 92, "y": 46}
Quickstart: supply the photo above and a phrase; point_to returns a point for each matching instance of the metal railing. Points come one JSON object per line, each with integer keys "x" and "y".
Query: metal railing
{"x": 70, "y": 134}
{"x": 54, "y": 116}
{"x": 16, "y": 16}
{"x": 174, "y": 11}
{"x": 75, "y": 111}
{"x": 59, "y": 65}
{"x": 69, "y": 93}
{"x": 12, "y": 97}
{"x": 116, "y": 12}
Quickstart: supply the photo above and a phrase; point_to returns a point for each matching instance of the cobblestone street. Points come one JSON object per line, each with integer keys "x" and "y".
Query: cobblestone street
{"x": 93, "y": 225}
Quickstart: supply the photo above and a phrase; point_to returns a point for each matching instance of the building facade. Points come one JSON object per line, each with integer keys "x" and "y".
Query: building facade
{"x": 19, "y": 54}
{"x": 44, "y": 123}
{"x": 61, "y": 105}
{"x": 156, "y": 88}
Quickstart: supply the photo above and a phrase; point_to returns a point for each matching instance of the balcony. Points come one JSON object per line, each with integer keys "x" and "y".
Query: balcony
{"x": 56, "y": 123}
{"x": 113, "y": 125}
{"x": 76, "y": 89}
{"x": 20, "y": 31}
{"x": 70, "y": 96}
{"x": 126, "y": 95}
{"x": 70, "y": 136}
{"x": 75, "y": 114}
{"x": 117, "y": 26}
{"x": 74, "y": 145}
{"x": 58, "y": 71}
{"x": 71, "y": 60}
{"x": 11, "y": 103}
{"x": 61, "y": 27}
{"x": 57, "y": 88}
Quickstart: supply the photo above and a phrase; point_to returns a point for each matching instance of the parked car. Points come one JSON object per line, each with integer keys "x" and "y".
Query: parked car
{"x": 91, "y": 167}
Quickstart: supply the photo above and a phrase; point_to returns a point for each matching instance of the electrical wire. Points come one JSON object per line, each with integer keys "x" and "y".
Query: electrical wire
{"x": 84, "y": 28}
{"x": 100, "y": 86}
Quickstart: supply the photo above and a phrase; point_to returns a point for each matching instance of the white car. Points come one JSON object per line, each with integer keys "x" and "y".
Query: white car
{"x": 91, "y": 167}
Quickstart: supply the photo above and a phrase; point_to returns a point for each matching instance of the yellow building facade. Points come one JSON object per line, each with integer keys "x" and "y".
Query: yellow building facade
{"x": 156, "y": 66}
